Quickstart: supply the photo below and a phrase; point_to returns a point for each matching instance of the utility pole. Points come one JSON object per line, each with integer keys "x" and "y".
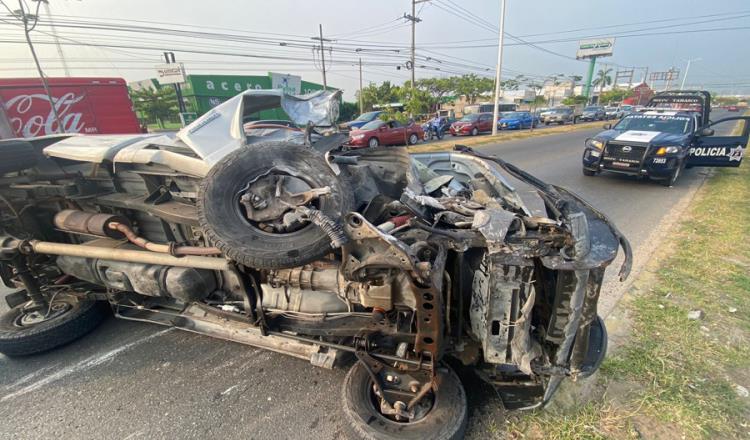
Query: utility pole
{"x": 498, "y": 68}
{"x": 414, "y": 20}
{"x": 687, "y": 69}
{"x": 53, "y": 31}
{"x": 361, "y": 101}
{"x": 27, "y": 31}
{"x": 322, "y": 55}
{"x": 169, "y": 58}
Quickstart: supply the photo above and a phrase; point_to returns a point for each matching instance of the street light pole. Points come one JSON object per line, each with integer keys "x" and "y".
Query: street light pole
{"x": 361, "y": 105}
{"x": 498, "y": 68}
{"x": 687, "y": 69}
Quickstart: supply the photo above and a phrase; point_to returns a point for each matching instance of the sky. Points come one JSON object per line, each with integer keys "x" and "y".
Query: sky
{"x": 453, "y": 37}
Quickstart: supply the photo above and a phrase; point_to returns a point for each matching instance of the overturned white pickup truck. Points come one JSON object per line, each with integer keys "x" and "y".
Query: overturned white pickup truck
{"x": 277, "y": 237}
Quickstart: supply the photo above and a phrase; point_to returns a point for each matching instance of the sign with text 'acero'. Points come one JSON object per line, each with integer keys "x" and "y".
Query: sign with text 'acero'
{"x": 170, "y": 73}
{"x": 600, "y": 47}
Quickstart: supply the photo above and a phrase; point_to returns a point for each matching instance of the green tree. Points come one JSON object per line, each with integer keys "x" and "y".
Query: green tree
{"x": 437, "y": 87}
{"x": 603, "y": 79}
{"x": 473, "y": 86}
{"x": 575, "y": 100}
{"x": 417, "y": 101}
{"x": 615, "y": 95}
{"x": 156, "y": 105}
{"x": 385, "y": 93}
{"x": 347, "y": 110}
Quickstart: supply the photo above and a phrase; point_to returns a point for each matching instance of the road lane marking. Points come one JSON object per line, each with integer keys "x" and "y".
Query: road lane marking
{"x": 83, "y": 365}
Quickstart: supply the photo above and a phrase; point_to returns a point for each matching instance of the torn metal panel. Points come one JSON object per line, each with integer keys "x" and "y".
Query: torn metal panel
{"x": 494, "y": 224}
{"x": 497, "y": 291}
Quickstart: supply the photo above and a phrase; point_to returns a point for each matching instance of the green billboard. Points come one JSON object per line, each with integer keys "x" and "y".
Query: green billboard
{"x": 203, "y": 92}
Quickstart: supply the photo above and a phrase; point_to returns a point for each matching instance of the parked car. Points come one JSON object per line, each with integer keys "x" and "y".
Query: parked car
{"x": 472, "y": 124}
{"x": 363, "y": 119}
{"x": 543, "y": 113}
{"x": 593, "y": 113}
{"x": 560, "y": 116}
{"x": 379, "y": 132}
{"x": 613, "y": 112}
{"x": 402, "y": 262}
{"x": 517, "y": 121}
{"x": 627, "y": 109}
{"x": 732, "y": 108}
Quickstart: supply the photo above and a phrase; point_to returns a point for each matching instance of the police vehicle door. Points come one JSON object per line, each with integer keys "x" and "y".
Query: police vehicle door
{"x": 724, "y": 148}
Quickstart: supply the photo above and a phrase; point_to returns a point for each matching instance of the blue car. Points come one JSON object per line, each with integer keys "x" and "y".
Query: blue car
{"x": 517, "y": 121}
{"x": 363, "y": 119}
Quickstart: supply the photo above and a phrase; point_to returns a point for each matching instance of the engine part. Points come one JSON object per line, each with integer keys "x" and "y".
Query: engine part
{"x": 294, "y": 299}
{"x": 81, "y": 222}
{"x": 184, "y": 283}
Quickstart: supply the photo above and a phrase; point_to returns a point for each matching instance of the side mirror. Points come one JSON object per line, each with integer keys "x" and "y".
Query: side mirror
{"x": 707, "y": 132}
{"x": 607, "y": 126}
{"x": 382, "y": 127}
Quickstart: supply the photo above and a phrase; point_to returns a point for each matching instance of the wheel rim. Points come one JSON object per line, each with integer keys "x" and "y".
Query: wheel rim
{"x": 281, "y": 224}
{"x": 373, "y": 142}
{"x": 421, "y": 410}
{"x": 30, "y": 318}
{"x": 413, "y": 139}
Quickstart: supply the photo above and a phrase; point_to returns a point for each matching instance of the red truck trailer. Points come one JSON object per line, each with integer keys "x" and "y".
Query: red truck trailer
{"x": 84, "y": 105}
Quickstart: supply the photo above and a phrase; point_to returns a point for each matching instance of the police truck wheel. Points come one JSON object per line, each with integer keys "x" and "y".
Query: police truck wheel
{"x": 674, "y": 176}
{"x": 588, "y": 172}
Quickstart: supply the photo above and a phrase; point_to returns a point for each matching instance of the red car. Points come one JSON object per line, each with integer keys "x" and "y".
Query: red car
{"x": 732, "y": 108}
{"x": 472, "y": 124}
{"x": 379, "y": 132}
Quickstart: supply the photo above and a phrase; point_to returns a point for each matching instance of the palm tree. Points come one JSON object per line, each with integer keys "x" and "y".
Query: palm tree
{"x": 603, "y": 79}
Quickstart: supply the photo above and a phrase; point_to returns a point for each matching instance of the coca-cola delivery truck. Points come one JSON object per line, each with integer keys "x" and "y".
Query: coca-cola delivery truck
{"x": 84, "y": 105}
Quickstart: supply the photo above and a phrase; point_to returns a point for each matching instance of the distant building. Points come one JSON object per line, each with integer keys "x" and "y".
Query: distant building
{"x": 641, "y": 94}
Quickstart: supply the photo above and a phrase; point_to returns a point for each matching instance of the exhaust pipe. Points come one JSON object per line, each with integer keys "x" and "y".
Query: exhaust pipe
{"x": 113, "y": 254}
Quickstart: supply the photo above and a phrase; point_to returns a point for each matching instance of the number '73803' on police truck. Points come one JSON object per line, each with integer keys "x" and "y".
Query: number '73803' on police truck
{"x": 671, "y": 133}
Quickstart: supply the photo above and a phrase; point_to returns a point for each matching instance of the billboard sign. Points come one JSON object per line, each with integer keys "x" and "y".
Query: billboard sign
{"x": 170, "y": 73}
{"x": 290, "y": 84}
{"x": 599, "y": 47}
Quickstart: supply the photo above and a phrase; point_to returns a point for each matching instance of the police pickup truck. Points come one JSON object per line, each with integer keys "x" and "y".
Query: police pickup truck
{"x": 671, "y": 133}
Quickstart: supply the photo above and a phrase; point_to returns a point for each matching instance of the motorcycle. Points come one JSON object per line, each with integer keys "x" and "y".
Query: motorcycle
{"x": 434, "y": 129}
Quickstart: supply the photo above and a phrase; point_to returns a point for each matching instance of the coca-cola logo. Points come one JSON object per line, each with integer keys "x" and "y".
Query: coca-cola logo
{"x": 27, "y": 121}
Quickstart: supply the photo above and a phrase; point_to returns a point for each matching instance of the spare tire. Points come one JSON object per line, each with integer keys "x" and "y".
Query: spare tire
{"x": 16, "y": 155}
{"x": 228, "y": 225}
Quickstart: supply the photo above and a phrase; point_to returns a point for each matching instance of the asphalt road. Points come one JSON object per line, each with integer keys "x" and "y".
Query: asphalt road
{"x": 129, "y": 380}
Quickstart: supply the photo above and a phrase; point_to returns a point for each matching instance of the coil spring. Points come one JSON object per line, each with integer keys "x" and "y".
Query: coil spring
{"x": 330, "y": 227}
